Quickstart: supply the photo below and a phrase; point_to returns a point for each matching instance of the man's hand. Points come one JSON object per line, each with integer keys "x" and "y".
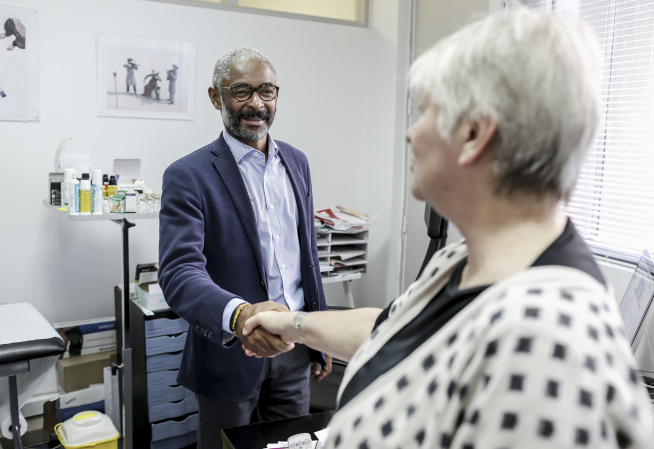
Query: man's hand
{"x": 261, "y": 342}
{"x": 275, "y": 323}
{"x": 319, "y": 372}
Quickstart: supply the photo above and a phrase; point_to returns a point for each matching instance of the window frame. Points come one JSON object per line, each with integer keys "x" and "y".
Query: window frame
{"x": 233, "y": 6}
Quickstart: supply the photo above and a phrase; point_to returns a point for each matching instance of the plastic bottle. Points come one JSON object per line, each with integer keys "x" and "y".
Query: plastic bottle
{"x": 96, "y": 187}
{"x": 149, "y": 202}
{"x": 69, "y": 174}
{"x": 73, "y": 187}
{"x": 105, "y": 183}
{"x": 112, "y": 187}
{"x": 85, "y": 197}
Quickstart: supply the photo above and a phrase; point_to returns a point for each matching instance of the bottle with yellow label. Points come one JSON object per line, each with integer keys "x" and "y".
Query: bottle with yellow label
{"x": 112, "y": 188}
{"x": 85, "y": 197}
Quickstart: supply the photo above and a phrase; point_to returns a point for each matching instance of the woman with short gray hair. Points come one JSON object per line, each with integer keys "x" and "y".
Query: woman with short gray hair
{"x": 511, "y": 337}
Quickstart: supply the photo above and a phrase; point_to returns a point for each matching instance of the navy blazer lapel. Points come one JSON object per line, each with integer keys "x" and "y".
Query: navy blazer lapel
{"x": 231, "y": 175}
{"x": 301, "y": 191}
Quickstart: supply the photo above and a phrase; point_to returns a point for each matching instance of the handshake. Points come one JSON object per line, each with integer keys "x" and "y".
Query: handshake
{"x": 266, "y": 330}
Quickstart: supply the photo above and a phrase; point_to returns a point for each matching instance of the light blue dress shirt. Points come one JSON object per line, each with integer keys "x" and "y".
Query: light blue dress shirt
{"x": 275, "y": 211}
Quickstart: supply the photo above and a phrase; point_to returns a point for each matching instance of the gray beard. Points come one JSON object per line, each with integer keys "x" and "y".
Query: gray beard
{"x": 233, "y": 124}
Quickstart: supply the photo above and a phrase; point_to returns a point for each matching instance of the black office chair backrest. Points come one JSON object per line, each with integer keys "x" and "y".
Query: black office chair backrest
{"x": 437, "y": 231}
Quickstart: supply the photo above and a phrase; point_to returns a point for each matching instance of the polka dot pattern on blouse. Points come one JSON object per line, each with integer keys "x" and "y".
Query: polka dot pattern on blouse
{"x": 536, "y": 361}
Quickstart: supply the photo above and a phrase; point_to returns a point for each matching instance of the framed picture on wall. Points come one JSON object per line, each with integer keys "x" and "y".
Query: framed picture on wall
{"x": 145, "y": 77}
{"x": 19, "y": 64}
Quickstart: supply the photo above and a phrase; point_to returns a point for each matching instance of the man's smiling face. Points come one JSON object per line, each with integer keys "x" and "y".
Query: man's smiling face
{"x": 248, "y": 120}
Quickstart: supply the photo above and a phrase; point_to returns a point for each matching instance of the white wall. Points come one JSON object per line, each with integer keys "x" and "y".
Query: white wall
{"x": 68, "y": 269}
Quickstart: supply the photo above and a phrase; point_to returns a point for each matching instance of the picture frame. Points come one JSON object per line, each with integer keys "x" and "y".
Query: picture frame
{"x": 19, "y": 64}
{"x": 145, "y": 77}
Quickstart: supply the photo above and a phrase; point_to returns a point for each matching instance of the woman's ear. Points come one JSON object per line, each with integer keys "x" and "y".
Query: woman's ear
{"x": 477, "y": 133}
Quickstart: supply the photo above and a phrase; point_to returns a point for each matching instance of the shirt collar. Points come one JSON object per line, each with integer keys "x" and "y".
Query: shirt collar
{"x": 240, "y": 150}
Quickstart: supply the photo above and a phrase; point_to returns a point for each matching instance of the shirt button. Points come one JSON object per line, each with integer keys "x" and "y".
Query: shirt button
{"x": 283, "y": 266}
{"x": 277, "y": 237}
{"x": 272, "y": 206}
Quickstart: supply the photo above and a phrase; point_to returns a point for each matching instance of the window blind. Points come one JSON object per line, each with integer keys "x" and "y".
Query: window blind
{"x": 613, "y": 203}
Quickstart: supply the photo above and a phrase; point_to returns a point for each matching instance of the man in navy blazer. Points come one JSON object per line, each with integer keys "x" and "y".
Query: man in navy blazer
{"x": 236, "y": 238}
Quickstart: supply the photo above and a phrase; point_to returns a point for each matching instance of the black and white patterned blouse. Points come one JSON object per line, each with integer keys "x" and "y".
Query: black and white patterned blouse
{"x": 536, "y": 361}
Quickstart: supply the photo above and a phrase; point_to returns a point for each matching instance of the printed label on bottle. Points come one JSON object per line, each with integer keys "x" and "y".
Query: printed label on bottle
{"x": 85, "y": 203}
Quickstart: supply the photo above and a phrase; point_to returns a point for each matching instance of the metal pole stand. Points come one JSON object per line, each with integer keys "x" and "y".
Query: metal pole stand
{"x": 124, "y": 367}
{"x": 11, "y": 371}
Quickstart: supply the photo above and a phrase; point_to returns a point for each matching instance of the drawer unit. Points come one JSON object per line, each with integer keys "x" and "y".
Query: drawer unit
{"x": 164, "y": 413}
{"x": 166, "y": 378}
{"x": 165, "y": 395}
{"x": 165, "y": 326}
{"x": 175, "y": 442}
{"x": 173, "y": 409}
{"x": 171, "y": 429}
{"x": 162, "y": 362}
{"x": 164, "y": 344}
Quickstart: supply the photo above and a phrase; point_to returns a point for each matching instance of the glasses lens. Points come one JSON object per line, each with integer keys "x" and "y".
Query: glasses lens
{"x": 267, "y": 92}
{"x": 242, "y": 92}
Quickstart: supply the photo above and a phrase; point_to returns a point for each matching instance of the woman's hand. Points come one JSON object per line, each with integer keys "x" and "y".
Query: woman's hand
{"x": 277, "y": 323}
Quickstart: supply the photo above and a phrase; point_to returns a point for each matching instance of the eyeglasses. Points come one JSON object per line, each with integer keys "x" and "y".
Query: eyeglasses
{"x": 243, "y": 92}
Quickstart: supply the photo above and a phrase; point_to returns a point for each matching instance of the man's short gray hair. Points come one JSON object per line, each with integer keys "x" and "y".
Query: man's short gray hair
{"x": 223, "y": 68}
{"x": 538, "y": 77}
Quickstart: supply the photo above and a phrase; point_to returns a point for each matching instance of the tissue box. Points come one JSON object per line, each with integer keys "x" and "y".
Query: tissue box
{"x": 88, "y": 336}
{"x": 151, "y": 296}
{"x": 76, "y": 373}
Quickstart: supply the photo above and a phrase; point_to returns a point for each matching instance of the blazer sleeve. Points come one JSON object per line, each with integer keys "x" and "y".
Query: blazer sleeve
{"x": 186, "y": 285}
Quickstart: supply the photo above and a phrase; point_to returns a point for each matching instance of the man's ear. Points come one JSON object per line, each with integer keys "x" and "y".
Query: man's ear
{"x": 478, "y": 131}
{"x": 215, "y": 98}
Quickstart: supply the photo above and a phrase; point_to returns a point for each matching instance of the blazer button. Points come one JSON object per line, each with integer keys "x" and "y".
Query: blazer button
{"x": 210, "y": 334}
{"x": 197, "y": 327}
{"x": 310, "y": 266}
{"x": 263, "y": 285}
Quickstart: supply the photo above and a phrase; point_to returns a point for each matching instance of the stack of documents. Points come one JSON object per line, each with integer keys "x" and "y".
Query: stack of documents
{"x": 345, "y": 252}
{"x": 347, "y": 263}
{"x": 324, "y": 266}
{"x": 344, "y": 219}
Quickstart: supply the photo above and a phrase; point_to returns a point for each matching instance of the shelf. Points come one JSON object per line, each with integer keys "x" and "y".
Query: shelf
{"x": 348, "y": 242}
{"x": 341, "y": 278}
{"x": 129, "y": 216}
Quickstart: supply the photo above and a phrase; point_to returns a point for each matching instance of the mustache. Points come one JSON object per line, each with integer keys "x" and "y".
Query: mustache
{"x": 262, "y": 114}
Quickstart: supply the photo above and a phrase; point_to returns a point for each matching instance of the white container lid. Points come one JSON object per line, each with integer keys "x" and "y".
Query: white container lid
{"x": 97, "y": 177}
{"x": 87, "y": 427}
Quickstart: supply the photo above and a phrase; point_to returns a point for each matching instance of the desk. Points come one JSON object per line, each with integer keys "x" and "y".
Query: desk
{"x": 257, "y": 436}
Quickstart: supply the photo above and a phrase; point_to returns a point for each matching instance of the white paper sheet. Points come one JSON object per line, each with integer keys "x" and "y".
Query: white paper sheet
{"x": 322, "y": 435}
{"x": 128, "y": 169}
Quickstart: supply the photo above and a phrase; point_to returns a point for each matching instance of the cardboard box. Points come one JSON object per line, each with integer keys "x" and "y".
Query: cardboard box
{"x": 88, "y": 336}
{"x": 76, "y": 373}
{"x": 151, "y": 297}
{"x": 91, "y": 398}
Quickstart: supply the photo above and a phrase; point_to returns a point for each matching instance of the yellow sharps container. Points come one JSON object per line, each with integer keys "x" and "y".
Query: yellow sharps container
{"x": 88, "y": 429}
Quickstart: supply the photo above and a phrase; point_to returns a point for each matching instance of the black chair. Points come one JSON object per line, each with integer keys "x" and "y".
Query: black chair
{"x": 437, "y": 228}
